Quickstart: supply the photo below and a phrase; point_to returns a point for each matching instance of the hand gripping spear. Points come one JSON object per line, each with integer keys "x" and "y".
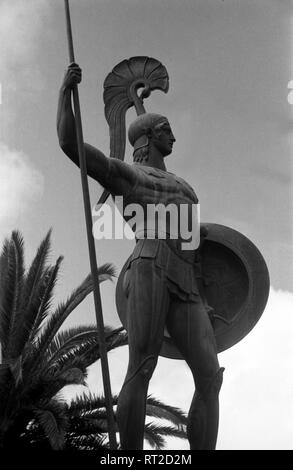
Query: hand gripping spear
{"x": 91, "y": 246}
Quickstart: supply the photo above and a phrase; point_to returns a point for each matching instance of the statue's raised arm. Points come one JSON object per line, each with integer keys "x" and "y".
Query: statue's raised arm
{"x": 116, "y": 176}
{"x": 120, "y": 93}
{"x": 97, "y": 162}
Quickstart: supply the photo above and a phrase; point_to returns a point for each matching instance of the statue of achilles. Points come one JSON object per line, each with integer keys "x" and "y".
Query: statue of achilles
{"x": 161, "y": 282}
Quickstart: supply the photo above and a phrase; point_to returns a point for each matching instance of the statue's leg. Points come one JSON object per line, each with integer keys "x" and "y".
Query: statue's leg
{"x": 148, "y": 301}
{"x": 190, "y": 328}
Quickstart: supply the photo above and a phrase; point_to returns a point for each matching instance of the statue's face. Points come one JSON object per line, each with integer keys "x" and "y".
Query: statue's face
{"x": 163, "y": 138}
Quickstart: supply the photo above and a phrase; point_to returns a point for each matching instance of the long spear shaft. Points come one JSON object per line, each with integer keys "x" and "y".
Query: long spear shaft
{"x": 91, "y": 245}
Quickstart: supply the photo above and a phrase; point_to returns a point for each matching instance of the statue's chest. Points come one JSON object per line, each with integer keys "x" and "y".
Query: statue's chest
{"x": 160, "y": 186}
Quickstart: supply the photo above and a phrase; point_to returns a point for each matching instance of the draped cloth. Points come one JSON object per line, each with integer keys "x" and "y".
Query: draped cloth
{"x": 181, "y": 274}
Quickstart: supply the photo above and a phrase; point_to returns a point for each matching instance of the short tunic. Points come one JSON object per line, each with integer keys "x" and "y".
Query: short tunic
{"x": 181, "y": 275}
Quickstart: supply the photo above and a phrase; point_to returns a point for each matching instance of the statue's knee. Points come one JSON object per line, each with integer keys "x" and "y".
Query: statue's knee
{"x": 213, "y": 386}
{"x": 144, "y": 370}
{"x": 147, "y": 367}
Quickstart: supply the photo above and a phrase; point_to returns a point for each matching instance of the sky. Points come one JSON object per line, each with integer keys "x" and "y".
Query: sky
{"x": 229, "y": 64}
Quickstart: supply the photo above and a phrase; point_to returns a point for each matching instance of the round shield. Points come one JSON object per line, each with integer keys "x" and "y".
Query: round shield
{"x": 235, "y": 284}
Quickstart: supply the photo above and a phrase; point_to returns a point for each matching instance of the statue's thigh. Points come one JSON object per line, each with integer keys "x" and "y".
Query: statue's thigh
{"x": 190, "y": 328}
{"x": 147, "y": 305}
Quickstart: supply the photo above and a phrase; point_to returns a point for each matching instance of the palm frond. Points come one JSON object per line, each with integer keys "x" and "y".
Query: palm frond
{"x": 10, "y": 271}
{"x": 116, "y": 339}
{"x": 88, "y": 402}
{"x": 155, "y": 434}
{"x": 36, "y": 271}
{"x": 71, "y": 358}
{"x": 29, "y": 328}
{"x": 46, "y": 299}
{"x": 82, "y": 348}
{"x": 85, "y": 426}
{"x": 18, "y": 249}
{"x": 34, "y": 285}
{"x": 64, "y": 309}
{"x": 16, "y": 368}
{"x": 70, "y": 339}
{"x": 4, "y": 312}
{"x": 74, "y": 441}
{"x": 53, "y": 421}
{"x": 54, "y": 372}
{"x": 158, "y": 409}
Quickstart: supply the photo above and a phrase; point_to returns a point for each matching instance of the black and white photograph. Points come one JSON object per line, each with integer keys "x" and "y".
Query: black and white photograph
{"x": 146, "y": 235}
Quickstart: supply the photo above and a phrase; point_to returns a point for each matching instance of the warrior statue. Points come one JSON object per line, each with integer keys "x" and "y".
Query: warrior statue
{"x": 162, "y": 284}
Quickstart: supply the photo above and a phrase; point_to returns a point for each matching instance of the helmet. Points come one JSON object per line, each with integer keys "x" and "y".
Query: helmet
{"x": 138, "y": 129}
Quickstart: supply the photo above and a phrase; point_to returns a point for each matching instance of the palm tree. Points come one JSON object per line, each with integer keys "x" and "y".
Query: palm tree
{"x": 38, "y": 360}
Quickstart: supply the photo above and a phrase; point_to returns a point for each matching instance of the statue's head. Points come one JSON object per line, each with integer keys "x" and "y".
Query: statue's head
{"x": 150, "y": 128}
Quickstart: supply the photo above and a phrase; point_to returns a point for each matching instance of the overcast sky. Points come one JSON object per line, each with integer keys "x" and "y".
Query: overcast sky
{"x": 229, "y": 64}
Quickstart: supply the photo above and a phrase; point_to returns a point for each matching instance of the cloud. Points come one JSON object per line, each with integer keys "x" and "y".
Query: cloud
{"x": 20, "y": 185}
{"x": 256, "y": 399}
{"x": 20, "y": 26}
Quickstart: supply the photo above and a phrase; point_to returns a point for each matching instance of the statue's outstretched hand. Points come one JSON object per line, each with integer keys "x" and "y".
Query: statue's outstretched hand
{"x": 72, "y": 76}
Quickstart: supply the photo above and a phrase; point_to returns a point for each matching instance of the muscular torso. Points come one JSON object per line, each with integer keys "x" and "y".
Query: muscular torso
{"x": 158, "y": 187}
{"x": 147, "y": 186}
